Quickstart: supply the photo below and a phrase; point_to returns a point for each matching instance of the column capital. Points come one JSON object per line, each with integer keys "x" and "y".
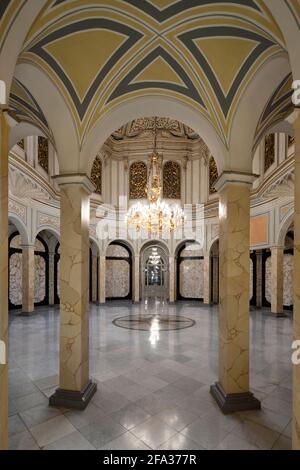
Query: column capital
{"x": 234, "y": 177}
{"x": 75, "y": 178}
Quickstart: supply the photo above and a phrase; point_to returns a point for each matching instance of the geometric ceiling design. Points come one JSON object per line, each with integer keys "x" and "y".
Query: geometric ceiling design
{"x": 278, "y": 107}
{"x": 26, "y": 108}
{"x": 203, "y": 52}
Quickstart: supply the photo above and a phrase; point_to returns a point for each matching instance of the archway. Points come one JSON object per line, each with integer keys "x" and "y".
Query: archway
{"x": 118, "y": 279}
{"x": 154, "y": 279}
{"x": 190, "y": 271}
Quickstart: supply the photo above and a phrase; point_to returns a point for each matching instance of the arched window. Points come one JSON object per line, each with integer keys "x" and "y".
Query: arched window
{"x": 96, "y": 174}
{"x": 213, "y": 175}
{"x": 171, "y": 180}
{"x": 137, "y": 180}
{"x": 43, "y": 153}
{"x": 269, "y": 151}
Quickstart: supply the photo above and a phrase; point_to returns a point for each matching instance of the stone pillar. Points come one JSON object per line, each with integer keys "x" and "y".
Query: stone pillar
{"x": 4, "y": 282}
{"x": 136, "y": 279}
{"x": 101, "y": 279}
{"x": 94, "y": 278}
{"x": 28, "y": 272}
{"x": 75, "y": 388}
{"x": 206, "y": 280}
{"x": 51, "y": 278}
{"x": 296, "y": 314}
{"x": 232, "y": 390}
{"x": 277, "y": 280}
{"x": 215, "y": 280}
{"x": 259, "y": 267}
{"x": 171, "y": 279}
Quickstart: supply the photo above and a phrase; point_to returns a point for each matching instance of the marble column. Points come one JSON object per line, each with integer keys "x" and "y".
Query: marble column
{"x": 296, "y": 313}
{"x": 215, "y": 280}
{"x": 51, "y": 278}
{"x": 277, "y": 280}
{"x": 206, "y": 280}
{"x": 259, "y": 267}
{"x": 28, "y": 273}
{"x": 136, "y": 279}
{"x": 171, "y": 279}
{"x": 4, "y": 282}
{"x": 94, "y": 278}
{"x": 232, "y": 390}
{"x": 102, "y": 279}
{"x": 75, "y": 388}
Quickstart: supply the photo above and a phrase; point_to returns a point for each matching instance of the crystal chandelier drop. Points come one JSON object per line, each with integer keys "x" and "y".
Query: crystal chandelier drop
{"x": 155, "y": 216}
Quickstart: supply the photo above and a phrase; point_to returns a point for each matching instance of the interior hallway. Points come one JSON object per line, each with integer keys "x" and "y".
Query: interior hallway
{"x": 152, "y": 392}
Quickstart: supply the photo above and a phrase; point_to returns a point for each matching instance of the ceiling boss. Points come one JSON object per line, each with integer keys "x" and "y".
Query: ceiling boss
{"x": 155, "y": 216}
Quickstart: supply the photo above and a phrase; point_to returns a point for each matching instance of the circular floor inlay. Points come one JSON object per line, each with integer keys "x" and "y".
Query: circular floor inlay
{"x": 159, "y": 322}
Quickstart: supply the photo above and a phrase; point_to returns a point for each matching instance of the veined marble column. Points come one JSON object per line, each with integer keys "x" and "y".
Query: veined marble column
{"x": 215, "y": 280}
{"x": 94, "y": 278}
{"x": 232, "y": 390}
{"x": 136, "y": 279}
{"x": 102, "y": 279}
{"x": 171, "y": 279}
{"x": 51, "y": 278}
{"x": 277, "y": 280}
{"x": 296, "y": 315}
{"x": 28, "y": 273}
{"x": 259, "y": 267}
{"x": 4, "y": 282}
{"x": 206, "y": 279}
{"x": 75, "y": 388}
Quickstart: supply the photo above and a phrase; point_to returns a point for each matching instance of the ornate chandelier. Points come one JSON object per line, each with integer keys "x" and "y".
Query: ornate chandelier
{"x": 155, "y": 216}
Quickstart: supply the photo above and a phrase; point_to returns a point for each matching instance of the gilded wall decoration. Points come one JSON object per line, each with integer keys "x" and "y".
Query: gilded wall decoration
{"x": 146, "y": 125}
{"x": 96, "y": 174}
{"x": 43, "y": 153}
{"x": 171, "y": 180}
{"x": 269, "y": 151}
{"x": 137, "y": 180}
{"x": 213, "y": 175}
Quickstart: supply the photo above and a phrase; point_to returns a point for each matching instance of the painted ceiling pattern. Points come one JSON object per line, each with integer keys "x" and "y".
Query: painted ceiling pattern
{"x": 277, "y": 108}
{"x": 26, "y": 108}
{"x": 102, "y": 52}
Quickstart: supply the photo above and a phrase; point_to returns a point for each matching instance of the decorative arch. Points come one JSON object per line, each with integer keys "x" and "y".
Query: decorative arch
{"x": 172, "y": 180}
{"x": 20, "y": 226}
{"x": 284, "y": 226}
{"x": 137, "y": 180}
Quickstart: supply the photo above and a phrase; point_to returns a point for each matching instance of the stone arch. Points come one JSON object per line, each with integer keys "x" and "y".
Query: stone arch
{"x": 20, "y": 226}
{"x": 284, "y": 226}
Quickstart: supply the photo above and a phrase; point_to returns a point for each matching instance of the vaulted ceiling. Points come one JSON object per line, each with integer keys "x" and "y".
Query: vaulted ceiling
{"x": 101, "y": 53}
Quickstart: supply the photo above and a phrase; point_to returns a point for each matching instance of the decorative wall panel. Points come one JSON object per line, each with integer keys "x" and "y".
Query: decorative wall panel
{"x": 117, "y": 251}
{"x": 137, "y": 180}
{"x": 117, "y": 283}
{"x": 39, "y": 279}
{"x": 213, "y": 175}
{"x": 269, "y": 151}
{"x": 268, "y": 280}
{"x": 43, "y": 153}
{"x": 15, "y": 278}
{"x": 191, "y": 278}
{"x": 96, "y": 174}
{"x": 171, "y": 180}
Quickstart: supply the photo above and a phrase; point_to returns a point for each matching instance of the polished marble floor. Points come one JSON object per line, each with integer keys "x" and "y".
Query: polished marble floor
{"x": 153, "y": 386}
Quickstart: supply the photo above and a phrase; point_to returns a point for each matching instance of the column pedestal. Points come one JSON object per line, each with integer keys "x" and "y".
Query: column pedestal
{"x": 28, "y": 272}
{"x": 231, "y": 392}
{"x": 75, "y": 388}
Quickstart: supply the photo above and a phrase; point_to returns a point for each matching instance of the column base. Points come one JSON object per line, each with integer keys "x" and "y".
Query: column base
{"x": 27, "y": 314}
{"x": 279, "y": 314}
{"x": 229, "y": 403}
{"x": 73, "y": 399}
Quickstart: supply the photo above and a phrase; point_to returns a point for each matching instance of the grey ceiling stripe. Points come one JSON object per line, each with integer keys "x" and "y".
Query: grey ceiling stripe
{"x": 274, "y": 104}
{"x": 3, "y": 5}
{"x": 37, "y": 110}
{"x": 182, "y": 5}
{"x": 126, "y": 86}
{"x": 227, "y": 31}
{"x": 93, "y": 23}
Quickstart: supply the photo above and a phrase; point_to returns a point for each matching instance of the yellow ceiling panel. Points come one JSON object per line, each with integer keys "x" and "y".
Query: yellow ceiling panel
{"x": 83, "y": 54}
{"x": 158, "y": 71}
{"x": 225, "y": 56}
